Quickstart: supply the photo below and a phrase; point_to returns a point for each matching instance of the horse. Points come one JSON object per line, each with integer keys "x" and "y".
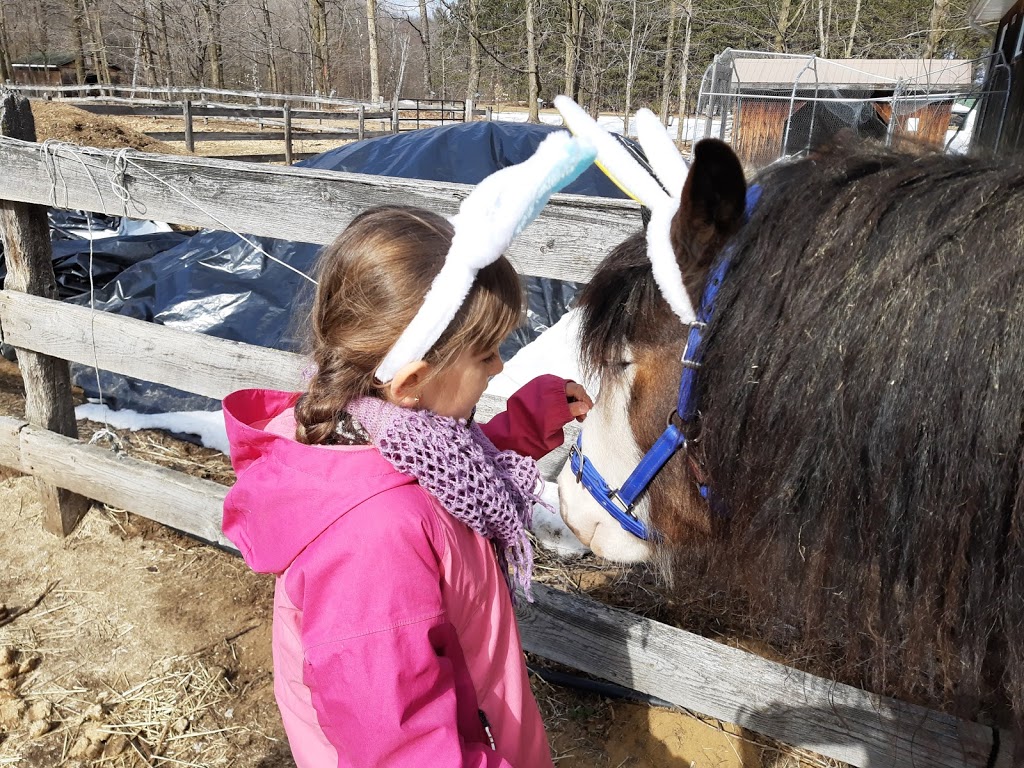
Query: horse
{"x": 855, "y": 464}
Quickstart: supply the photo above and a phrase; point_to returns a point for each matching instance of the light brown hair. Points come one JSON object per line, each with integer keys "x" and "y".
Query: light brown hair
{"x": 371, "y": 282}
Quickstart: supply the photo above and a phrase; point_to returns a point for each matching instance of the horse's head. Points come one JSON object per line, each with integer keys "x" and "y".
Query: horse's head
{"x": 632, "y": 341}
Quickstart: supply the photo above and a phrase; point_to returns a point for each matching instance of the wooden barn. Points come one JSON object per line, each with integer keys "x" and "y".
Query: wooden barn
{"x": 787, "y": 104}
{"x": 58, "y": 69}
{"x": 1000, "y": 122}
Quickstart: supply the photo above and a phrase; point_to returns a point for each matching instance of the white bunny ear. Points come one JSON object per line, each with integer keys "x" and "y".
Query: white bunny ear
{"x": 613, "y": 159}
{"x": 497, "y": 210}
{"x": 661, "y": 152}
{"x": 639, "y": 184}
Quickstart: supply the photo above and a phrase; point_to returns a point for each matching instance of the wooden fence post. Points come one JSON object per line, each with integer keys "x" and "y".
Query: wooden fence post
{"x": 487, "y": 115}
{"x": 287, "y": 133}
{"x": 394, "y": 116}
{"x": 190, "y": 143}
{"x": 362, "y": 122}
{"x": 48, "y": 403}
{"x": 467, "y": 114}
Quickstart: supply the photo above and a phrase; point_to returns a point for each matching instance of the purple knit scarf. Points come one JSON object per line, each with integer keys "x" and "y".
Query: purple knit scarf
{"x": 491, "y": 491}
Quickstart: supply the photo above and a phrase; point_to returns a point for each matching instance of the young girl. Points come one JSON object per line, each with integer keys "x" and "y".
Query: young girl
{"x": 389, "y": 517}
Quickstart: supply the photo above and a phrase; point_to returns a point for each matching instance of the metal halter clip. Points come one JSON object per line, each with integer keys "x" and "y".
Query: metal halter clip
{"x": 574, "y": 451}
{"x": 626, "y": 509}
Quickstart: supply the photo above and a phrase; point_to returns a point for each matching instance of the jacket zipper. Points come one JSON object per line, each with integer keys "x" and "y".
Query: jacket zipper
{"x": 487, "y": 728}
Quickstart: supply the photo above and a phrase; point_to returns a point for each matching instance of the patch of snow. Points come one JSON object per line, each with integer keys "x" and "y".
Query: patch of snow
{"x": 131, "y": 227}
{"x": 208, "y": 426}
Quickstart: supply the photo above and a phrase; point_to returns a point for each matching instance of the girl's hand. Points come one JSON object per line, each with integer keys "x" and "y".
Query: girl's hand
{"x": 580, "y": 402}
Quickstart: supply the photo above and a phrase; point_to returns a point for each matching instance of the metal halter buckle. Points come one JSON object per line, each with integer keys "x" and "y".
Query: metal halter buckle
{"x": 574, "y": 450}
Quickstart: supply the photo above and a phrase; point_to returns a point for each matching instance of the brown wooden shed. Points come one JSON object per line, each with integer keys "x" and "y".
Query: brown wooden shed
{"x": 57, "y": 69}
{"x": 786, "y": 104}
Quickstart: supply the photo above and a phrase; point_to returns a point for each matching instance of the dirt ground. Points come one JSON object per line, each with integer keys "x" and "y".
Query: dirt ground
{"x": 128, "y": 644}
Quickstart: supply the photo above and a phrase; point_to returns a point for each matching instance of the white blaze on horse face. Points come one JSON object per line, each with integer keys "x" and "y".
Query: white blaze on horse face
{"x": 609, "y": 444}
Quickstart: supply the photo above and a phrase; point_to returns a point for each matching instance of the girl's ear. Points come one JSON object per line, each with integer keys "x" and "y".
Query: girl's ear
{"x": 405, "y": 387}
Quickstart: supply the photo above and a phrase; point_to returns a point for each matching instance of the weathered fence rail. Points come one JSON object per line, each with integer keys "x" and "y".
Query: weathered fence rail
{"x": 565, "y": 242}
{"x": 190, "y": 104}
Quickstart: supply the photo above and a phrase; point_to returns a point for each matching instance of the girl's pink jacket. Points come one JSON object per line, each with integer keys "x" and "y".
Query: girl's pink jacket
{"x": 393, "y": 628}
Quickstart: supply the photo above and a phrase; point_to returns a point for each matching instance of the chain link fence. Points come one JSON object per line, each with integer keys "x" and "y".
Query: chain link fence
{"x": 773, "y": 105}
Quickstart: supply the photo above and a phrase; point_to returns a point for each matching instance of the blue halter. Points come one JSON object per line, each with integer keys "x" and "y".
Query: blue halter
{"x": 619, "y": 502}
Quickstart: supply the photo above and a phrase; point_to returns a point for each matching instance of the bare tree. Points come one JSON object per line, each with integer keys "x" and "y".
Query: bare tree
{"x": 6, "y": 72}
{"x": 853, "y": 30}
{"x": 78, "y": 38}
{"x": 640, "y": 27}
{"x": 473, "y": 81}
{"x": 318, "y": 44}
{"x": 573, "y": 40}
{"x": 531, "y": 63}
{"x": 666, "y": 73}
{"x": 596, "y": 60}
{"x": 684, "y": 68}
{"x": 165, "y": 43}
{"x": 214, "y": 47}
{"x": 428, "y": 87}
{"x": 824, "y": 26}
{"x": 94, "y": 22}
{"x": 936, "y": 33}
{"x": 371, "y": 31}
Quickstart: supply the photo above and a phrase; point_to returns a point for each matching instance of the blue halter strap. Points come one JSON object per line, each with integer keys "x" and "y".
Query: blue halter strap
{"x": 619, "y": 503}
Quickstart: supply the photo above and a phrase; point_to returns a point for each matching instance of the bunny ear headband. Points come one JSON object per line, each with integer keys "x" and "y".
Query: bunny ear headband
{"x": 636, "y": 182}
{"x": 497, "y": 210}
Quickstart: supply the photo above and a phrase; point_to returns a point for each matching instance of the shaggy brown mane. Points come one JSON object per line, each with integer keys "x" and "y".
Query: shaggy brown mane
{"x": 862, "y": 414}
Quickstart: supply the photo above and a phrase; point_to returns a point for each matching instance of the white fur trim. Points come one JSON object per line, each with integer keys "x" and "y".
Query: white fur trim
{"x": 613, "y": 158}
{"x": 661, "y": 152}
{"x": 664, "y": 264}
{"x": 497, "y": 210}
{"x": 634, "y": 179}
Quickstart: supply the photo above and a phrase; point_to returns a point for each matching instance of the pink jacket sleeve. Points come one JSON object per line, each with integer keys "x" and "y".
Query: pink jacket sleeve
{"x": 380, "y": 653}
{"x": 533, "y": 418}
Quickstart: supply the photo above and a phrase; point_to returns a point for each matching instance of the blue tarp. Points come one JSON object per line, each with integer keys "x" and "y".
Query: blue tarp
{"x": 216, "y": 283}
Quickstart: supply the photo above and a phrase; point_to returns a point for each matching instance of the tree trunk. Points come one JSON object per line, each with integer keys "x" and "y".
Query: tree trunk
{"x": 78, "y": 40}
{"x": 371, "y": 37}
{"x": 531, "y": 63}
{"x": 684, "y": 68}
{"x": 597, "y": 67}
{"x": 822, "y": 31}
{"x": 165, "y": 44}
{"x": 666, "y": 75}
{"x": 268, "y": 41}
{"x": 99, "y": 60}
{"x": 318, "y": 44}
{"x": 853, "y": 30}
{"x": 473, "y": 82}
{"x": 783, "y": 26}
{"x": 146, "y": 44}
{"x": 6, "y": 71}
{"x": 936, "y": 33}
{"x": 211, "y": 10}
{"x": 428, "y": 87}
{"x": 573, "y": 34}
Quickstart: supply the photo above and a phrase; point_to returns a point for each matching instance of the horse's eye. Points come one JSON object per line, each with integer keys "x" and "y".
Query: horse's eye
{"x": 624, "y": 364}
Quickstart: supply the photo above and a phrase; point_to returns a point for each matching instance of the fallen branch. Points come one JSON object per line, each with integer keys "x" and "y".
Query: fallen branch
{"x": 15, "y": 613}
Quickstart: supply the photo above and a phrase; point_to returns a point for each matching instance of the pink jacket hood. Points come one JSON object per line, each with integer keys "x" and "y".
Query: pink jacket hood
{"x": 268, "y": 540}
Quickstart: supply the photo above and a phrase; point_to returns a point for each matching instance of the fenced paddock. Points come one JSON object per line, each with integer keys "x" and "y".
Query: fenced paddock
{"x": 292, "y": 117}
{"x": 566, "y": 242}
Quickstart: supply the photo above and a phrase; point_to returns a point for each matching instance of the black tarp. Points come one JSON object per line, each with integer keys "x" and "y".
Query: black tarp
{"x": 216, "y": 283}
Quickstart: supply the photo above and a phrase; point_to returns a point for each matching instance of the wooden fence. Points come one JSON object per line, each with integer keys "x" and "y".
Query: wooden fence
{"x": 565, "y": 242}
{"x": 354, "y": 120}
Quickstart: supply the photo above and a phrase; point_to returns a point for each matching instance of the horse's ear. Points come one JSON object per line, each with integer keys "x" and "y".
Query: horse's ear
{"x": 711, "y": 208}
